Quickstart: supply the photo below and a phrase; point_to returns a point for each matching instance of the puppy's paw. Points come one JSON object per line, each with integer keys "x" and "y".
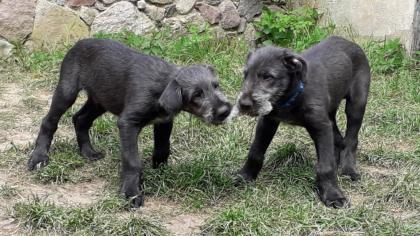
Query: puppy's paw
{"x": 131, "y": 190}
{"x": 354, "y": 176}
{"x": 136, "y": 201}
{"x": 37, "y": 161}
{"x": 242, "y": 177}
{"x": 92, "y": 155}
{"x": 333, "y": 197}
{"x": 158, "y": 164}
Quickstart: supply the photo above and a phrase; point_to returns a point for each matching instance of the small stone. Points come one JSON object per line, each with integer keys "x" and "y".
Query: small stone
{"x": 107, "y": 2}
{"x": 180, "y": 23}
{"x": 170, "y": 10}
{"x": 230, "y": 16}
{"x": 61, "y": 2}
{"x": 210, "y": 13}
{"x": 88, "y": 14}
{"x": 78, "y": 3}
{"x": 100, "y": 6}
{"x": 122, "y": 16}
{"x": 250, "y": 8}
{"x": 275, "y": 8}
{"x": 141, "y": 5}
{"x": 242, "y": 26}
{"x": 250, "y": 36}
{"x": 184, "y": 6}
{"x": 6, "y": 49}
{"x": 213, "y": 2}
{"x": 218, "y": 32}
{"x": 155, "y": 13}
{"x": 161, "y": 2}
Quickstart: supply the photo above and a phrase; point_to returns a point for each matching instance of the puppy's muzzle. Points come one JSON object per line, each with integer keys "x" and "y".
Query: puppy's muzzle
{"x": 222, "y": 112}
{"x": 246, "y": 105}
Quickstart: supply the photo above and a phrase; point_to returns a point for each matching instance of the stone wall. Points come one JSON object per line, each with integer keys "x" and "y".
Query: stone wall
{"x": 43, "y": 23}
{"x": 376, "y": 19}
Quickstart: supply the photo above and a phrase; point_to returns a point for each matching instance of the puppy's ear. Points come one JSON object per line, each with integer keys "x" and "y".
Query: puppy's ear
{"x": 249, "y": 55}
{"x": 211, "y": 69}
{"x": 295, "y": 64}
{"x": 171, "y": 98}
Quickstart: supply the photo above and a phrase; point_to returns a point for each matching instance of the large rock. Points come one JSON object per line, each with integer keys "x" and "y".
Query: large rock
{"x": 180, "y": 23}
{"x": 5, "y": 49}
{"x": 210, "y": 13}
{"x": 155, "y": 13}
{"x": 250, "y": 8}
{"x": 78, "y": 3}
{"x": 55, "y": 24}
{"x": 161, "y": 2}
{"x": 88, "y": 14}
{"x": 16, "y": 18}
{"x": 184, "y": 6}
{"x": 122, "y": 16}
{"x": 230, "y": 16}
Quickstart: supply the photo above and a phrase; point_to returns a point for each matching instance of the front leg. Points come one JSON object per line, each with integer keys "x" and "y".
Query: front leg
{"x": 132, "y": 167}
{"x": 162, "y": 134}
{"x": 266, "y": 128}
{"x": 321, "y": 131}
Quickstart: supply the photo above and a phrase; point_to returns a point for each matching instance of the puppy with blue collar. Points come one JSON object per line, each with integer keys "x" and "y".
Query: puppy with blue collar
{"x": 306, "y": 90}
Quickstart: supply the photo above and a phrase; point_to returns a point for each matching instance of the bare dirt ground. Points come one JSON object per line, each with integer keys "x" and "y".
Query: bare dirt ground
{"x": 19, "y": 126}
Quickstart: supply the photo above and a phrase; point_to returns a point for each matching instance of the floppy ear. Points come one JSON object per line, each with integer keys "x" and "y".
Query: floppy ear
{"x": 171, "y": 98}
{"x": 249, "y": 55}
{"x": 295, "y": 64}
{"x": 211, "y": 69}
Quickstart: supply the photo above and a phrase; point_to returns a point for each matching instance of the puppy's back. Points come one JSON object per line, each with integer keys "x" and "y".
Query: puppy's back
{"x": 109, "y": 70}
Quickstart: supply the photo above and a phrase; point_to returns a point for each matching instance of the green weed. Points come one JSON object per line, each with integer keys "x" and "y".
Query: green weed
{"x": 297, "y": 29}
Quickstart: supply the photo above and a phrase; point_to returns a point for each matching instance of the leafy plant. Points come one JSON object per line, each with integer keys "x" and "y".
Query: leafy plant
{"x": 296, "y": 29}
{"x": 386, "y": 57}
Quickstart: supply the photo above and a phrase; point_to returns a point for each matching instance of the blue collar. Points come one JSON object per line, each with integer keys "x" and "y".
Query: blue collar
{"x": 292, "y": 97}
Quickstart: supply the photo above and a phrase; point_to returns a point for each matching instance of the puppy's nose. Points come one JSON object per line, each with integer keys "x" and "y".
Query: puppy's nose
{"x": 222, "y": 112}
{"x": 245, "y": 103}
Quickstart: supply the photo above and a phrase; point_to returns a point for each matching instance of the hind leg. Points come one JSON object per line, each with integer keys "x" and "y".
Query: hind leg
{"x": 338, "y": 138}
{"x": 348, "y": 155}
{"x": 62, "y": 100}
{"x": 355, "y": 110}
{"x": 82, "y": 121}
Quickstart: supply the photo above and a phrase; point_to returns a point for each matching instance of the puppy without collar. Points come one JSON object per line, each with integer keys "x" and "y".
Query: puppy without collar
{"x": 140, "y": 90}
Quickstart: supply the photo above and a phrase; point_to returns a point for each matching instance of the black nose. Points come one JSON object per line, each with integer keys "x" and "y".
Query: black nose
{"x": 222, "y": 112}
{"x": 245, "y": 103}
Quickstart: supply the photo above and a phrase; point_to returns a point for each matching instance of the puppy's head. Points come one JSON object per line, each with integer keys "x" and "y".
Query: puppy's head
{"x": 268, "y": 75}
{"x": 196, "y": 90}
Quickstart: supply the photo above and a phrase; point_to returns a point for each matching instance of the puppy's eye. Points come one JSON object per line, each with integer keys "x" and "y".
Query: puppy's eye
{"x": 267, "y": 77}
{"x": 198, "y": 94}
{"x": 216, "y": 85}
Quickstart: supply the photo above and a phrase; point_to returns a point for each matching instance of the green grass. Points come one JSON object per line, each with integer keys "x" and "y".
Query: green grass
{"x": 204, "y": 159}
{"x": 43, "y": 215}
{"x": 7, "y": 191}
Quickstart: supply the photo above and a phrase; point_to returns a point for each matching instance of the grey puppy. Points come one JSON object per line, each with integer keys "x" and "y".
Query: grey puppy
{"x": 306, "y": 90}
{"x": 139, "y": 89}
